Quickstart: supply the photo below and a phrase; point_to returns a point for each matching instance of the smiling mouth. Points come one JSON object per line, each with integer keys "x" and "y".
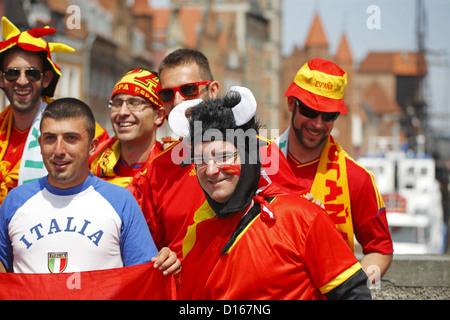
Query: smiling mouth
{"x": 314, "y": 133}
{"x": 125, "y": 124}
{"x": 216, "y": 182}
{"x": 22, "y": 93}
{"x": 60, "y": 165}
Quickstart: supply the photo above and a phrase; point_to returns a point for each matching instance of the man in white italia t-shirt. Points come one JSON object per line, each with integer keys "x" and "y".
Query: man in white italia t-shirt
{"x": 70, "y": 220}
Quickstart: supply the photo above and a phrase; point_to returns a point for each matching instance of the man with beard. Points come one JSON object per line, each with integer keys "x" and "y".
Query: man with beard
{"x": 28, "y": 76}
{"x": 346, "y": 189}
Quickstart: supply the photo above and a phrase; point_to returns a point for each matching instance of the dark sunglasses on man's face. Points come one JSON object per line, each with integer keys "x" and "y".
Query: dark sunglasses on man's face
{"x": 32, "y": 74}
{"x": 312, "y": 114}
{"x": 187, "y": 91}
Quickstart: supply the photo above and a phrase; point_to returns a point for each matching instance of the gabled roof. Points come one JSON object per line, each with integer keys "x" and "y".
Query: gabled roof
{"x": 398, "y": 63}
{"x": 316, "y": 36}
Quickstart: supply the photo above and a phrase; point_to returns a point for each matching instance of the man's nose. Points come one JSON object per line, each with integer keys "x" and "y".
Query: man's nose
{"x": 178, "y": 99}
{"x": 22, "y": 80}
{"x": 318, "y": 122}
{"x": 124, "y": 108}
{"x": 60, "y": 147}
{"x": 212, "y": 168}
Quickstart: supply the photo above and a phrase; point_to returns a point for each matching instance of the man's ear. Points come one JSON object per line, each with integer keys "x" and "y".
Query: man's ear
{"x": 48, "y": 77}
{"x": 291, "y": 103}
{"x": 214, "y": 90}
{"x": 159, "y": 115}
{"x": 93, "y": 146}
{"x": 2, "y": 80}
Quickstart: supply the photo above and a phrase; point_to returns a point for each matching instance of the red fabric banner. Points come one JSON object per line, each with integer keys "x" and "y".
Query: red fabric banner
{"x": 140, "y": 282}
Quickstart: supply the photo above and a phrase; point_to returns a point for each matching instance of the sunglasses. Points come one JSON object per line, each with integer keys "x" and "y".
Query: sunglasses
{"x": 312, "y": 114}
{"x": 187, "y": 91}
{"x": 32, "y": 74}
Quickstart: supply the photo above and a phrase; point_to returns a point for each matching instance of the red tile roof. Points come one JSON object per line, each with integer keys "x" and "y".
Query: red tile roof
{"x": 399, "y": 63}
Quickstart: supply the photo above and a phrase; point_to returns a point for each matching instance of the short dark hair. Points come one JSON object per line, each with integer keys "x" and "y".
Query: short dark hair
{"x": 186, "y": 56}
{"x": 71, "y": 108}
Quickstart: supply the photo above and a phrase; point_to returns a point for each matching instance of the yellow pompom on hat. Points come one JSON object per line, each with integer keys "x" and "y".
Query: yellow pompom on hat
{"x": 31, "y": 40}
{"x": 142, "y": 83}
{"x": 320, "y": 84}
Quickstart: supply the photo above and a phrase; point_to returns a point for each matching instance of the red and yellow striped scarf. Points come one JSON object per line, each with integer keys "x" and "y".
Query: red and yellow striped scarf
{"x": 331, "y": 187}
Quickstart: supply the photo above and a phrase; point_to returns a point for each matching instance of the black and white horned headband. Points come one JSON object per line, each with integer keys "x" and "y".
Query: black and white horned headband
{"x": 243, "y": 112}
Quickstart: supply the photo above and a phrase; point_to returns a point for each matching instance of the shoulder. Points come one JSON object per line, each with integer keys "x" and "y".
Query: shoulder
{"x": 109, "y": 190}
{"x": 119, "y": 198}
{"x": 169, "y": 163}
{"x": 27, "y": 190}
{"x": 18, "y": 196}
{"x": 174, "y": 152}
{"x": 291, "y": 207}
{"x": 357, "y": 172}
{"x": 299, "y": 220}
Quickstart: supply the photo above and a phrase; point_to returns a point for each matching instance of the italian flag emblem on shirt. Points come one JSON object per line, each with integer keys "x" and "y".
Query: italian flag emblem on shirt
{"x": 57, "y": 261}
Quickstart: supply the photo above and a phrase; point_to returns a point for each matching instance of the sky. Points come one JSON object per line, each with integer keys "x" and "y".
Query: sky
{"x": 396, "y": 31}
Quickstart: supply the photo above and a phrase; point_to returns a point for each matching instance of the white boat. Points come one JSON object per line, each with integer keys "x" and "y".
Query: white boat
{"x": 413, "y": 201}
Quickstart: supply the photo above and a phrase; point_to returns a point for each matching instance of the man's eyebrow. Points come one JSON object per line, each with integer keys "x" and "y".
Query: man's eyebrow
{"x": 65, "y": 133}
{"x": 47, "y": 133}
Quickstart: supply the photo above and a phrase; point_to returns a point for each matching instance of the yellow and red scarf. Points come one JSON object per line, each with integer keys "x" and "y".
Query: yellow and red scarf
{"x": 103, "y": 164}
{"x": 330, "y": 184}
{"x": 331, "y": 187}
{"x": 108, "y": 155}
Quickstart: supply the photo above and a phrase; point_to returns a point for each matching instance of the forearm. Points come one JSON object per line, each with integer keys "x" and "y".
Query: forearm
{"x": 376, "y": 260}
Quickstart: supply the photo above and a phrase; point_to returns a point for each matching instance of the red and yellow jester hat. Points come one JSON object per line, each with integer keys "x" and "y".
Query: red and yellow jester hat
{"x": 142, "y": 83}
{"x": 32, "y": 41}
{"x": 320, "y": 84}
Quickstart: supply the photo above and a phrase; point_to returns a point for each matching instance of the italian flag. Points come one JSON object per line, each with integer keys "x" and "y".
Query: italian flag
{"x": 57, "y": 262}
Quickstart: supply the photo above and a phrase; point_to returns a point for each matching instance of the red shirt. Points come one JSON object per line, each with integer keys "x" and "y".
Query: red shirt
{"x": 298, "y": 254}
{"x": 369, "y": 219}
